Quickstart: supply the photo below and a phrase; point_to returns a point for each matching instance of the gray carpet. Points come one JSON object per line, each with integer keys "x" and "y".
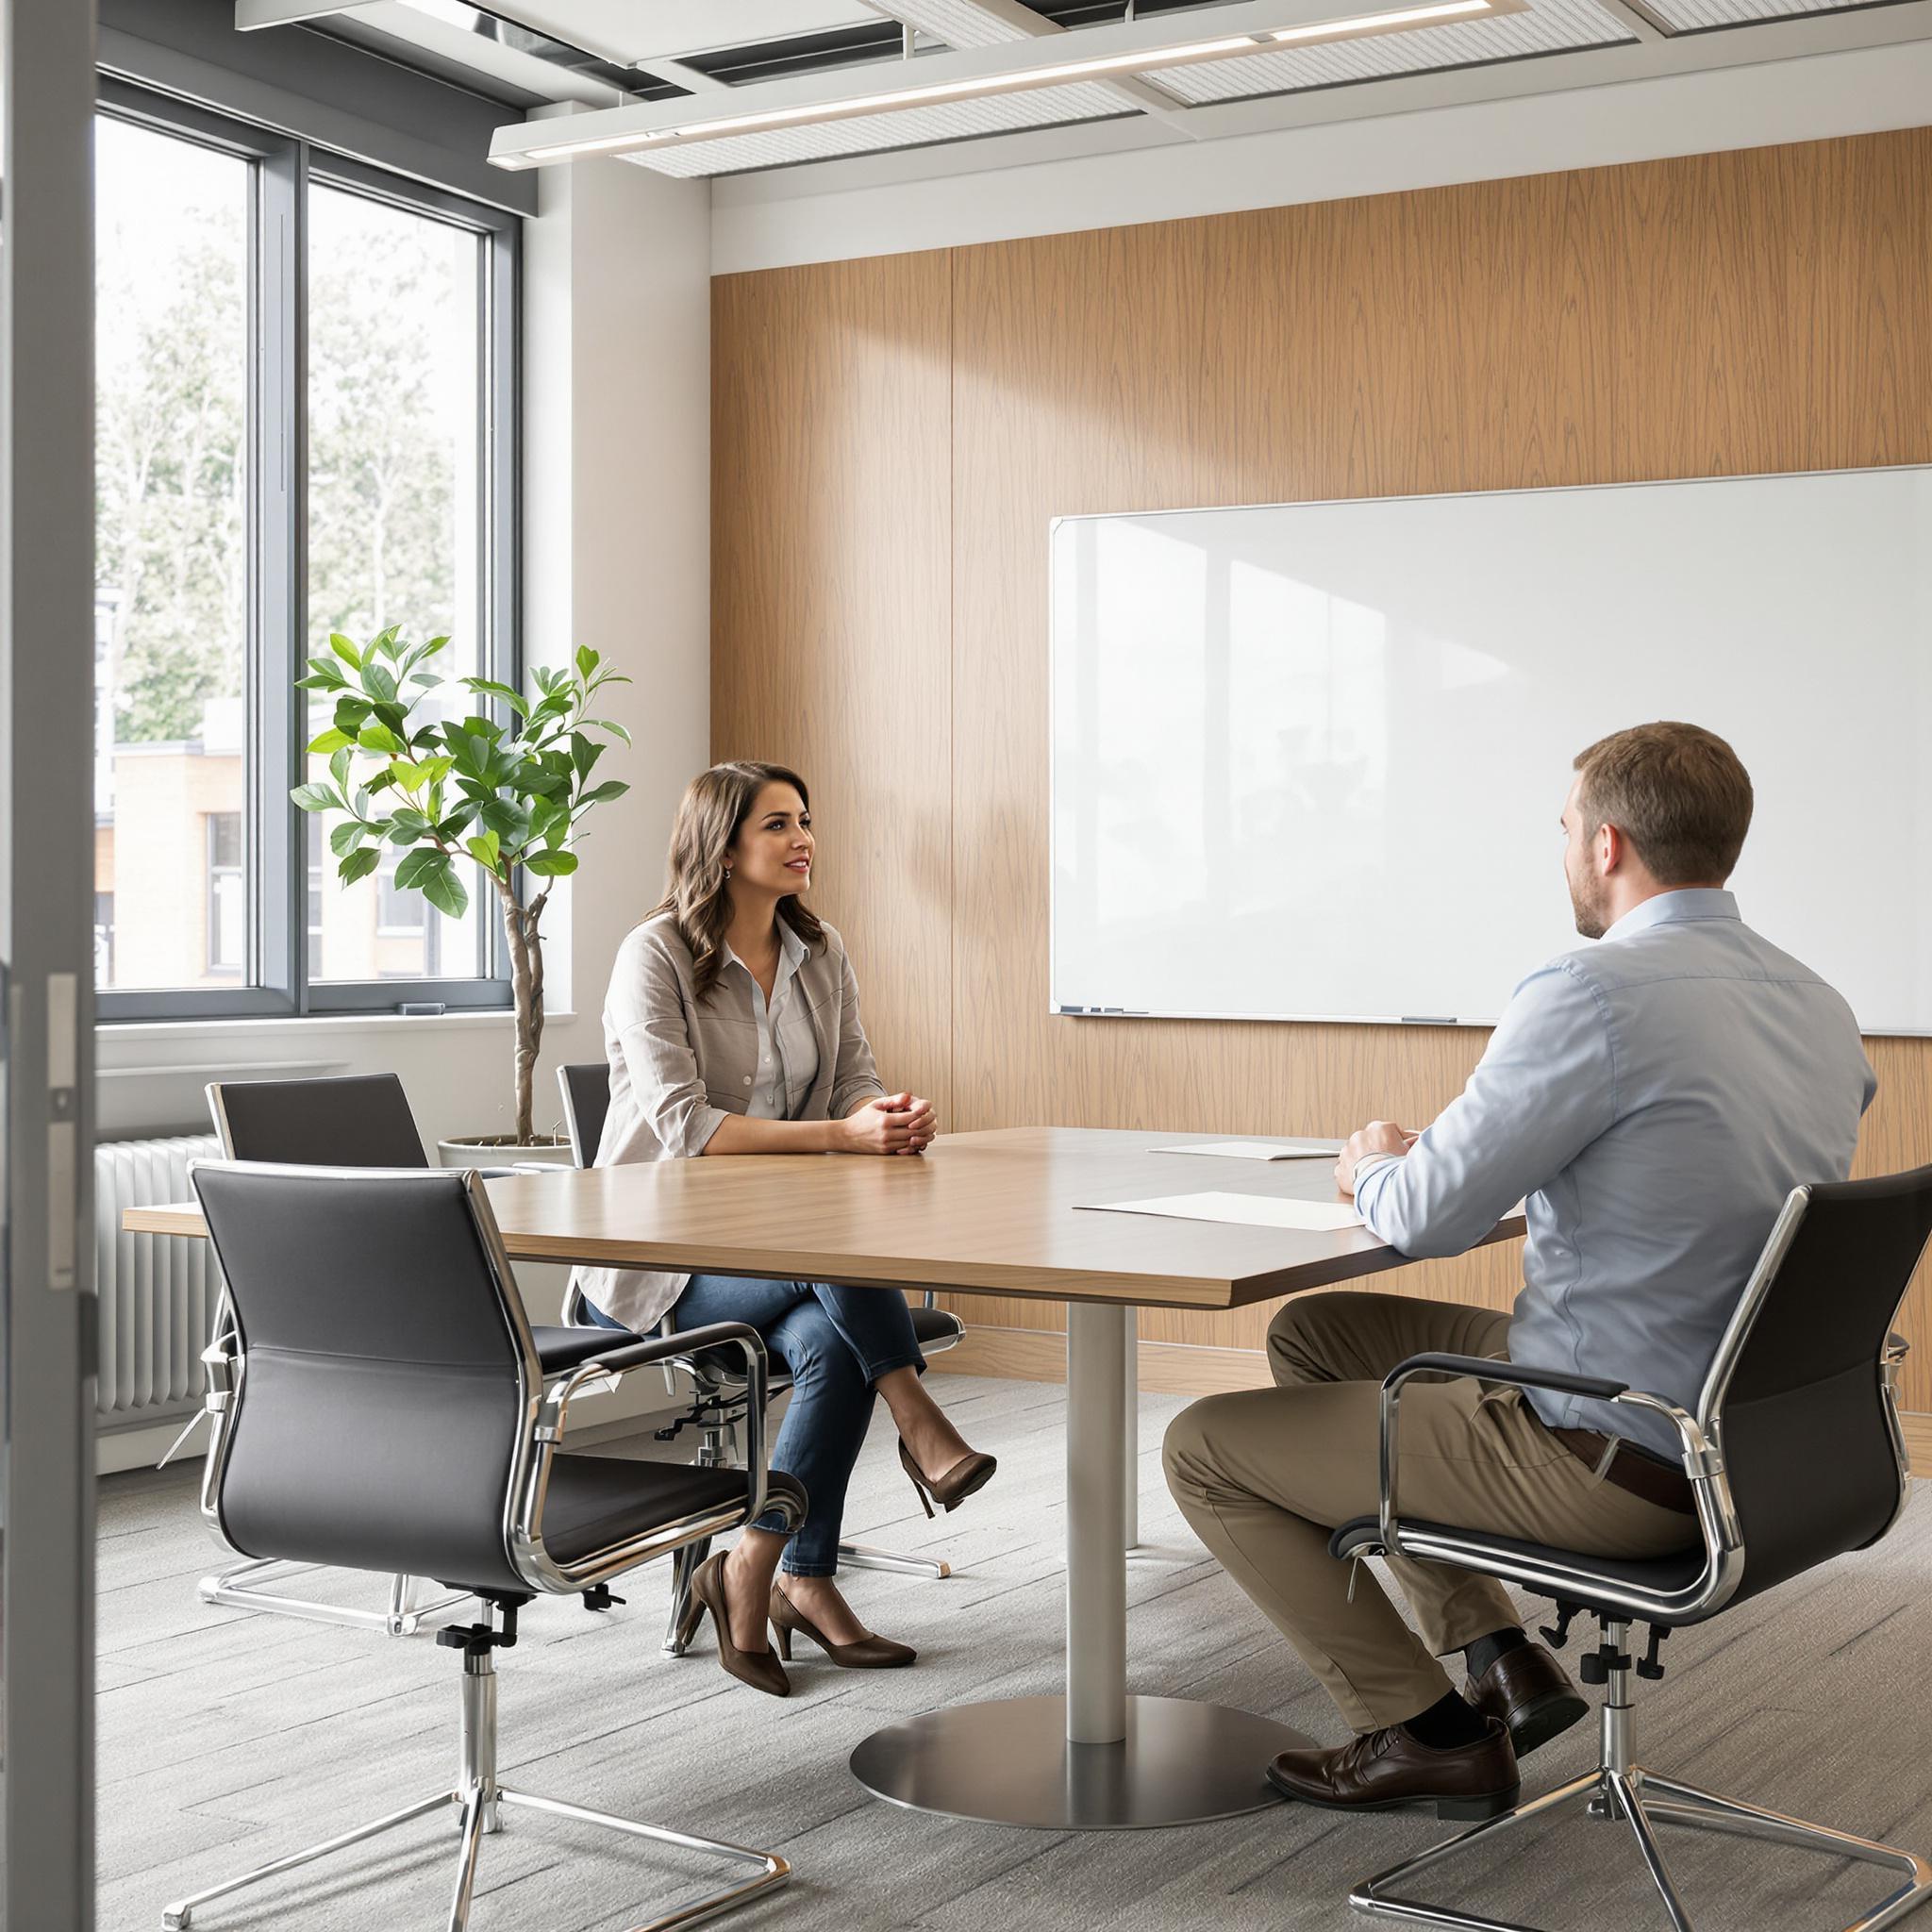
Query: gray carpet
{"x": 228, "y": 1739}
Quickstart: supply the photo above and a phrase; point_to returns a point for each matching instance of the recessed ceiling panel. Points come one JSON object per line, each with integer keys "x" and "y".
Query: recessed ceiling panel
{"x": 1698, "y": 16}
{"x": 733, "y": 154}
{"x": 637, "y": 29}
{"x": 1550, "y": 26}
{"x": 961, "y": 23}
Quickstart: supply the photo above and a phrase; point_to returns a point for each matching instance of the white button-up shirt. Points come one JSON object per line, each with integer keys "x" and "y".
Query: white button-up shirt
{"x": 788, "y": 1060}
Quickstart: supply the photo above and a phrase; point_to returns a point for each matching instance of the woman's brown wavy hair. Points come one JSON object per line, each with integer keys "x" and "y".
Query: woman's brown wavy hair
{"x": 709, "y": 818}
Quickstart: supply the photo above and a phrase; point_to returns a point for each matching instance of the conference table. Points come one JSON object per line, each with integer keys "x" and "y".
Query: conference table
{"x": 998, "y": 1212}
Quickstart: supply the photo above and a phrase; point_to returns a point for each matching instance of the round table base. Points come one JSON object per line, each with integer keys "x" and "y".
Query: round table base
{"x": 1010, "y": 1763}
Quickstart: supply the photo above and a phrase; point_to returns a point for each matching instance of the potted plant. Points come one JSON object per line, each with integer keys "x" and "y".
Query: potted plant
{"x": 404, "y": 771}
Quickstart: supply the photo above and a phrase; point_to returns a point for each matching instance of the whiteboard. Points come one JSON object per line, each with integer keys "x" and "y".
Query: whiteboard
{"x": 1308, "y": 758}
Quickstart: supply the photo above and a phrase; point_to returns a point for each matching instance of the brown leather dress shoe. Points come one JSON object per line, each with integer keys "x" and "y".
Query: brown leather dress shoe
{"x": 1383, "y": 1768}
{"x": 1528, "y": 1693}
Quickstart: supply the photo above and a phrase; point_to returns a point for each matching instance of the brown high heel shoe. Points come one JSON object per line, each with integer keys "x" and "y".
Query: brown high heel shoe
{"x": 971, "y": 1473}
{"x": 868, "y": 1654}
{"x": 759, "y": 1669}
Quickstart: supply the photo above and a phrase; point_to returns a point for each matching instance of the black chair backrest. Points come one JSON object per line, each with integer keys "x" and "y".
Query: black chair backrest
{"x": 1802, "y": 1417}
{"x": 361, "y": 1120}
{"x": 380, "y": 1415}
{"x": 586, "y": 1101}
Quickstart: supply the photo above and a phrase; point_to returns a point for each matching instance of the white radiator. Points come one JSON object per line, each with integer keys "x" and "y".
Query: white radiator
{"x": 157, "y": 1292}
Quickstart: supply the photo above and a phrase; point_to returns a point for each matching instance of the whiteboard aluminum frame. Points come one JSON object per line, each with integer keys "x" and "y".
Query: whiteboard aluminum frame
{"x": 1072, "y": 1012}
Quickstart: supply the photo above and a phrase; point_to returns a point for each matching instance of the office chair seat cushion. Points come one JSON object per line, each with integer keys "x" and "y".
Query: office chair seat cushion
{"x": 937, "y": 1327}
{"x": 564, "y": 1348}
{"x": 597, "y": 1502}
{"x": 933, "y": 1329}
{"x": 1677, "y": 1572}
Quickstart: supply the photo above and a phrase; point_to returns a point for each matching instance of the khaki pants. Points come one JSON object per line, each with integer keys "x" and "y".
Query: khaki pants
{"x": 1264, "y": 1474}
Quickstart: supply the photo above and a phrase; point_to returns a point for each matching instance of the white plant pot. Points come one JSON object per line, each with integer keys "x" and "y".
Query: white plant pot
{"x": 501, "y": 1150}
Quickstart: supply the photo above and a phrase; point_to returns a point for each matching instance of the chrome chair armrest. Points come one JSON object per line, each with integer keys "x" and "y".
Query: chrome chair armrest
{"x": 1701, "y": 1460}
{"x": 622, "y": 1359}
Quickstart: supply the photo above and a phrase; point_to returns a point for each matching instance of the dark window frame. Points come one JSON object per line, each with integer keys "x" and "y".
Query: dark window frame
{"x": 278, "y": 983}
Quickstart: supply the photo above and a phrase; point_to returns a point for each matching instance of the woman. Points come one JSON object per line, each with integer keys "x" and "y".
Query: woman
{"x": 732, "y": 1027}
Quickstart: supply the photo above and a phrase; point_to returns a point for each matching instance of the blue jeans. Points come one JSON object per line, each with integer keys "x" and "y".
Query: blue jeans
{"x": 837, "y": 1343}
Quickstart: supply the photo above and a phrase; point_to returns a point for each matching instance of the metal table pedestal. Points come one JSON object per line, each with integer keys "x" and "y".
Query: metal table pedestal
{"x": 1095, "y": 1759}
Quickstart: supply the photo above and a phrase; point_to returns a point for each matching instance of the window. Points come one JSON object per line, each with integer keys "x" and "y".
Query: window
{"x": 291, "y": 441}
{"x": 228, "y": 903}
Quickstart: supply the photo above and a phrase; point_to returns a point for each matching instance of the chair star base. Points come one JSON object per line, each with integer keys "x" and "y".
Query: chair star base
{"x": 243, "y": 1588}
{"x": 478, "y": 1797}
{"x": 1618, "y": 1787}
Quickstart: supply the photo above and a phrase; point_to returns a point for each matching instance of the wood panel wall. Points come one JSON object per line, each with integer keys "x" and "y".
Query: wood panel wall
{"x": 891, "y": 436}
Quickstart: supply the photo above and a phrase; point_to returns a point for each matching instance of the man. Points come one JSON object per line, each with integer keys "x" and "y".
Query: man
{"x": 1655, "y": 1095}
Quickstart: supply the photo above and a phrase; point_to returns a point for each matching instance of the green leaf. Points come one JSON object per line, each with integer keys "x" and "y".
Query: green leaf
{"x": 326, "y": 741}
{"x": 586, "y": 660}
{"x": 359, "y": 864}
{"x": 348, "y": 837}
{"x": 584, "y": 753}
{"x": 447, "y": 894}
{"x": 433, "y": 874}
{"x": 506, "y": 817}
{"x": 379, "y": 681}
{"x": 612, "y": 725}
{"x": 350, "y": 712}
{"x": 377, "y": 737}
{"x": 346, "y": 651}
{"x": 600, "y": 794}
{"x": 406, "y": 826}
{"x": 339, "y": 769}
{"x": 551, "y": 864}
{"x": 411, "y": 777}
{"x": 327, "y": 670}
{"x": 489, "y": 687}
{"x": 317, "y": 798}
{"x": 414, "y": 868}
{"x": 484, "y": 849}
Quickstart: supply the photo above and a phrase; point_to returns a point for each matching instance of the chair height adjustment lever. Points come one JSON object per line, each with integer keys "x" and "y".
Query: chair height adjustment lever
{"x": 1566, "y": 1615}
{"x": 1596, "y": 1666}
{"x": 1650, "y": 1665}
{"x": 479, "y": 1639}
{"x": 598, "y": 1597}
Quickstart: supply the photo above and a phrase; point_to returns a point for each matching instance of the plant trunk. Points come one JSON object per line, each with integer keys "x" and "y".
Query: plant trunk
{"x": 520, "y": 929}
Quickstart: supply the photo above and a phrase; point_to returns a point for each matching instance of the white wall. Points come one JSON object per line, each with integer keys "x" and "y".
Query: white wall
{"x": 835, "y": 211}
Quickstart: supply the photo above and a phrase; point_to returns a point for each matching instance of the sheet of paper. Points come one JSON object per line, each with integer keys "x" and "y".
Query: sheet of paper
{"x": 1250, "y": 1211}
{"x": 1259, "y": 1150}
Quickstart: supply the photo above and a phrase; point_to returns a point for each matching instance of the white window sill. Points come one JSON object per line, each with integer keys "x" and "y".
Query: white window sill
{"x": 307, "y": 1025}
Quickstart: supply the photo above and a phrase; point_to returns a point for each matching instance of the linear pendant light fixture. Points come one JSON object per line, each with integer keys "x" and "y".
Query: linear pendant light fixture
{"x": 972, "y": 75}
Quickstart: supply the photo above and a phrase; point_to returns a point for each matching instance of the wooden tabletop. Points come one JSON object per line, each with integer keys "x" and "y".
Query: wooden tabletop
{"x": 992, "y": 1212}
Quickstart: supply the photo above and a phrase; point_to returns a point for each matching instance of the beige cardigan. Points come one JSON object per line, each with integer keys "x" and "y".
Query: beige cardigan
{"x": 677, "y": 1067}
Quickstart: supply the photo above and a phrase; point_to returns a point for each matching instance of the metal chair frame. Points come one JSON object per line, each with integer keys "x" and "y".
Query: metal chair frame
{"x": 1617, "y": 1785}
{"x": 415, "y": 1606}
{"x": 718, "y": 1407}
{"x": 477, "y": 1793}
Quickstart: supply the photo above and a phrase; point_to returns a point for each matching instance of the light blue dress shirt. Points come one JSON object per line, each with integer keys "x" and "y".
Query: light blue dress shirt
{"x": 1654, "y": 1096}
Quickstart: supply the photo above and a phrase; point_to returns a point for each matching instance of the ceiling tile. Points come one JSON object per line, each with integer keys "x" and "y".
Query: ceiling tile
{"x": 638, "y": 29}
{"x": 1693, "y": 16}
{"x": 1550, "y": 26}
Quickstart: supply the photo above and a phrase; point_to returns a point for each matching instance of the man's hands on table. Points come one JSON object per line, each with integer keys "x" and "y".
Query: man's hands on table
{"x": 1378, "y": 1137}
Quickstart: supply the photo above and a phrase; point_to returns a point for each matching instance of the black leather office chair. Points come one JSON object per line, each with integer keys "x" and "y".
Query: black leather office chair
{"x": 719, "y": 1397}
{"x": 1794, "y": 1457}
{"x": 393, "y": 1414}
{"x": 360, "y": 1121}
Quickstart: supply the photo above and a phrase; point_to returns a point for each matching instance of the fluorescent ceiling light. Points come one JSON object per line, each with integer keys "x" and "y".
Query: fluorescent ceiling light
{"x": 1013, "y": 80}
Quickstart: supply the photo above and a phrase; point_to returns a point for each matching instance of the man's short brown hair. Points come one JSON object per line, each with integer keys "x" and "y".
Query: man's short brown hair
{"x": 1676, "y": 791}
